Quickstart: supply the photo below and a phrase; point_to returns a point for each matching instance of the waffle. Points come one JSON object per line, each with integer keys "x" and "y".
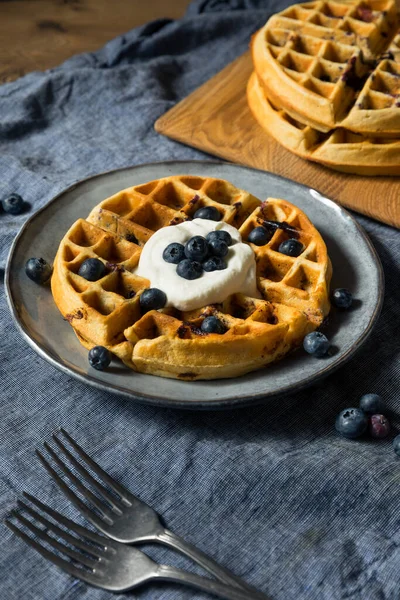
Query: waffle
{"x": 340, "y": 149}
{"x": 168, "y": 342}
{"x": 334, "y": 64}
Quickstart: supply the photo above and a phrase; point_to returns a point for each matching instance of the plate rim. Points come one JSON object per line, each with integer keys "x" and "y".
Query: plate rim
{"x": 224, "y": 403}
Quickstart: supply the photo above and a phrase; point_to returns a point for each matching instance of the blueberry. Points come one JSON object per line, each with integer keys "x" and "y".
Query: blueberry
{"x": 14, "y": 204}
{"x": 379, "y": 426}
{"x": 259, "y": 236}
{"x": 372, "y": 403}
{"x": 38, "y": 270}
{"x": 316, "y": 343}
{"x": 291, "y": 247}
{"x": 174, "y": 253}
{"x": 220, "y": 234}
{"x": 218, "y": 248}
{"x": 99, "y": 358}
{"x": 196, "y": 248}
{"x": 214, "y": 263}
{"x": 189, "y": 269}
{"x": 92, "y": 269}
{"x": 342, "y": 298}
{"x": 131, "y": 237}
{"x": 208, "y": 212}
{"x": 152, "y": 299}
{"x": 212, "y": 325}
{"x": 396, "y": 445}
{"x": 351, "y": 422}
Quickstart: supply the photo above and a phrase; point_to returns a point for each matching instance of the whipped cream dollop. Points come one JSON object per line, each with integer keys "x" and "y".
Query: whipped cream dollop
{"x": 211, "y": 287}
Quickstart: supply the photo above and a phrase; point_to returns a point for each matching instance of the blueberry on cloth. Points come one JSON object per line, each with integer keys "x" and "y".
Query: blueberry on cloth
{"x": 38, "y": 270}
{"x": 218, "y": 248}
{"x": 196, "y": 248}
{"x": 208, "y": 212}
{"x": 174, "y": 253}
{"x": 396, "y": 445}
{"x": 92, "y": 269}
{"x": 379, "y": 426}
{"x": 214, "y": 263}
{"x": 351, "y": 422}
{"x": 212, "y": 325}
{"x": 189, "y": 269}
{"x": 13, "y": 205}
{"x": 259, "y": 236}
{"x": 372, "y": 404}
{"x": 99, "y": 358}
{"x": 291, "y": 247}
{"x": 220, "y": 234}
{"x": 342, "y": 298}
{"x": 316, "y": 343}
{"x": 152, "y": 299}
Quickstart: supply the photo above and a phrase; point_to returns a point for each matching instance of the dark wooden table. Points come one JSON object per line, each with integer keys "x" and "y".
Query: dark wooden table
{"x": 40, "y": 34}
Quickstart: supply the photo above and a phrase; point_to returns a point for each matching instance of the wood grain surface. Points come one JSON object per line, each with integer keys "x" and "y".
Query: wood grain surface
{"x": 216, "y": 119}
{"x": 40, "y": 34}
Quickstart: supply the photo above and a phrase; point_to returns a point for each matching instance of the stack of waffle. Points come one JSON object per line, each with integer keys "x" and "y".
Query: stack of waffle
{"x": 326, "y": 83}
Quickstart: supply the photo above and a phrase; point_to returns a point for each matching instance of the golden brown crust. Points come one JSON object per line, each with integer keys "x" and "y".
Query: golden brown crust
{"x": 168, "y": 342}
{"x": 333, "y": 64}
{"x": 340, "y": 149}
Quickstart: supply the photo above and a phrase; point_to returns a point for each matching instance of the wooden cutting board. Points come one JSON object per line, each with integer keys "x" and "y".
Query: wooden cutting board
{"x": 215, "y": 118}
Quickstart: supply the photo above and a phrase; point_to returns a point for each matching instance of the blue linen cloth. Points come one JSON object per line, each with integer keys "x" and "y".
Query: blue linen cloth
{"x": 270, "y": 491}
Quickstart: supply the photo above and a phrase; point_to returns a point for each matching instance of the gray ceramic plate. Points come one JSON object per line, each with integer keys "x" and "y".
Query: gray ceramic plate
{"x": 355, "y": 265}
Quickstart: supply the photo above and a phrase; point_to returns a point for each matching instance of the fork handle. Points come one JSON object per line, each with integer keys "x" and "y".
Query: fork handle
{"x": 221, "y": 590}
{"x": 168, "y": 538}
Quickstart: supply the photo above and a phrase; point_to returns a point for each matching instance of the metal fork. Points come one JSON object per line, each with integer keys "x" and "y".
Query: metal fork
{"x": 125, "y": 518}
{"x": 102, "y": 562}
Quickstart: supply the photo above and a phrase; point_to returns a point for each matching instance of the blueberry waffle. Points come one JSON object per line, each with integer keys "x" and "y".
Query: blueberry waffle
{"x": 339, "y": 149}
{"x": 334, "y": 64}
{"x": 254, "y": 331}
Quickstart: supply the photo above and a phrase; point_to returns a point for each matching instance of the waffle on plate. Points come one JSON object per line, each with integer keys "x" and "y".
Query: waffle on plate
{"x": 293, "y": 291}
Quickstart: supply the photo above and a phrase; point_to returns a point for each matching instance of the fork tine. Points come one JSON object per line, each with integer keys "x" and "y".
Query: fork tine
{"x": 114, "y": 485}
{"x": 96, "y": 553}
{"x": 41, "y": 534}
{"x": 94, "y": 500}
{"x": 76, "y": 501}
{"x": 103, "y": 510}
{"x": 85, "y": 473}
{"x": 63, "y": 564}
{"x": 86, "y": 533}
